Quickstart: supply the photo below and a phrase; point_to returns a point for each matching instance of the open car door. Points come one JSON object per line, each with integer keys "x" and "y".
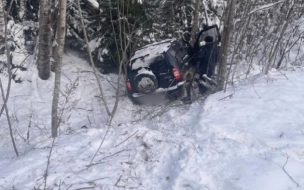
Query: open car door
{"x": 212, "y": 31}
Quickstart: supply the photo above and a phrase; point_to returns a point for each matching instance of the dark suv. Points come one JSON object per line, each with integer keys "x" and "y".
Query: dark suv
{"x": 156, "y": 69}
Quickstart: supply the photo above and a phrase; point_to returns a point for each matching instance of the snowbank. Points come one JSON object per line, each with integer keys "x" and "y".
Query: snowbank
{"x": 250, "y": 137}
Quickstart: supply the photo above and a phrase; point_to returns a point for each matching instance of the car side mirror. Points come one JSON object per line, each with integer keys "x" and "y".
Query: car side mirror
{"x": 202, "y": 43}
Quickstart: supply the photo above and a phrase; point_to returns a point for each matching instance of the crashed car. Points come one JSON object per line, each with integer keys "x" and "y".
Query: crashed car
{"x": 156, "y": 70}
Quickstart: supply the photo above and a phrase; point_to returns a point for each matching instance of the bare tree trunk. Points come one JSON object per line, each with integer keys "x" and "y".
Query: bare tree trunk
{"x": 195, "y": 22}
{"x": 45, "y": 33}
{"x": 54, "y": 21}
{"x": 2, "y": 23}
{"x": 58, "y": 52}
{"x": 228, "y": 28}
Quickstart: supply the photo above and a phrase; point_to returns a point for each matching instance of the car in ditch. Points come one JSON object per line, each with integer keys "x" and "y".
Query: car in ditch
{"x": 156, "y": 70}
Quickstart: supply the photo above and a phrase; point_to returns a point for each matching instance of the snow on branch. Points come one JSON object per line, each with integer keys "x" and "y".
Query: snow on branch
{"x": 94, "y": 4}
{"x": 265, "y": 7}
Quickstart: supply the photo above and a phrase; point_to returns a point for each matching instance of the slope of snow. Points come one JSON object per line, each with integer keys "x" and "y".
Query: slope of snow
{"x": 250, "y": 137}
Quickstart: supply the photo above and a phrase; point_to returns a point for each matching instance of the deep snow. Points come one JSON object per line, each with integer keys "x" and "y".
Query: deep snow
{"x": 251, "y": 137}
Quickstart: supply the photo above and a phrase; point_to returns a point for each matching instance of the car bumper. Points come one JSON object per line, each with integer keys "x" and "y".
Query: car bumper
{"x": 159, "y": 90}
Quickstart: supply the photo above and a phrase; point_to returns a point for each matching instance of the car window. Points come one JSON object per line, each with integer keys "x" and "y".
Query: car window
{"x": 159, "y": 64}
{"x": 177, "y": 53}
{"x": 180, "y": 54}
{"x": 171, "y": 57}
{"x": 212, "y": 32}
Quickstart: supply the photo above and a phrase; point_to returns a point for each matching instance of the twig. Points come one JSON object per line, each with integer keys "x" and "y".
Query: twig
{"x": 283, "y": 74}
{"x": 126, "y": 139}
{"x": 29, "y": 126}
{"x": 110, "y": 82}
{"x": 101, "y": 143}
{"x": 89, "y": 120}
{"x": 84, "y": 188}
{"x": 114, "y": 154}
{"x": 48, "y": 164}
{"x": 21, "y": 64}
{"x": 99, "y": 162}
{"x": 229, "y": 96}
{"x": 265, "y": 7}
{"x": 116, "y": 184}
{"x": 288, "y": 173}
{"x": 255, "y": 91}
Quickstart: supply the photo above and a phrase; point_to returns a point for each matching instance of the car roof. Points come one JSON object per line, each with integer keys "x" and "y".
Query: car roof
{"x": 146, "y": 55}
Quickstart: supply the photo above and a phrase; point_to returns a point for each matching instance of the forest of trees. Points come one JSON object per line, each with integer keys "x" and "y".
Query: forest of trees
{"x": 107, "y": 33}
{"x": 68, "y": 121}
{"x": 149, "y": 21}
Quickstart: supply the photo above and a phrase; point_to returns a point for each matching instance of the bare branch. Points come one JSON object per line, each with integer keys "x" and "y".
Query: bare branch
{"x": 48, "y": 164}
{"x": 229, "y": 96}
{"x": 288, "y": 173}
{"x": 91, "y": 59}
{"x": 266, "y": 7}
{"x": 8, "y": 58}
{"x": 9, "y": 121}
{"x": 126, "y": 139}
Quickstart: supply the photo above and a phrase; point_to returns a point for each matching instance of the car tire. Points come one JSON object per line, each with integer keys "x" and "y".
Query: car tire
{"x": 146, "y": 83}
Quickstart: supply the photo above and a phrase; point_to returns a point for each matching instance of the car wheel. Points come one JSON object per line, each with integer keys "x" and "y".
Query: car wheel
{"x": 146, "y": 83}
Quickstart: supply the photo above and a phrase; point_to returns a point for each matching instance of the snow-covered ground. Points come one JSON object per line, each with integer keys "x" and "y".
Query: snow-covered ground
{"x": 249, "y": 138}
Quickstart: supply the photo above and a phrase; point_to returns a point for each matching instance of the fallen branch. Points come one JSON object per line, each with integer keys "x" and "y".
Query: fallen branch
{"x": 99, "y": 162}
{"x": 126, "y": 139}
{"x": 229, "y": 96}
{"x": 82, "y": 188}
{"x": 116, "y": 184}
{"x": 101, "y": 143}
